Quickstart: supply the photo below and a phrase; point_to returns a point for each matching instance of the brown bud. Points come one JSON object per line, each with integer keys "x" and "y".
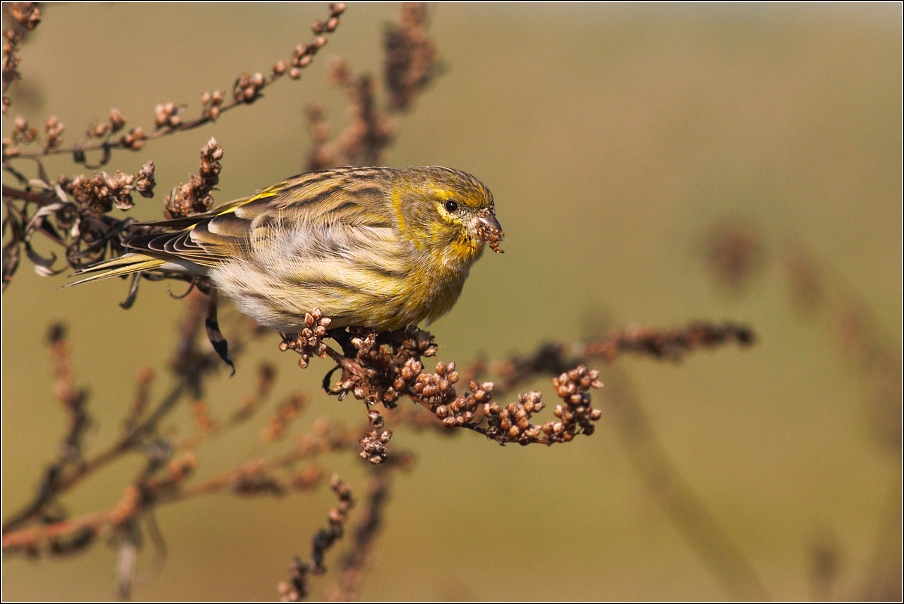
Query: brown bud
{"x": 117, "y": 120}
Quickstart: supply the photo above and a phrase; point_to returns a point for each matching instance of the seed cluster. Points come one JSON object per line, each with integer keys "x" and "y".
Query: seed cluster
{"x": 100, "y": 193}
{"x": 576, "y": 416}
{"x": 437, "y": 392}
{"x": 212, "y": 103}
{"x": 248, "y": 87}
{"x": 308, "y": 479}
{"x": 26, "y": 17}
{"x": 309, "y": 341}
{"x": 253, "y": 478}
{"x": 373, "y": 445}
{"x": 512, "y": 422}
{"x": 145, "y": 182}
{"x": 492, "y": 236}
{"x": 671, "y": 343}
{"x": 114, "y": 124}
{"x": 166, "y": 115}
{"x": 303, "y": 55}
{"x": 411, "y": 56}
{"x": 384, "y": 365}
{"x": 297, "y": 586}
{"x": 53, "y": 133}
{"x": 22, "y": 131}
{"x": 194, "y": 197}
{"x": 135, "y": 139}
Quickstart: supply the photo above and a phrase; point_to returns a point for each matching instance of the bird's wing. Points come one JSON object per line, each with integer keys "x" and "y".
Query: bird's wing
{"x": 350, "y": 196}
{"x": 342, "y": 198}
{"x": 205, "y": 239}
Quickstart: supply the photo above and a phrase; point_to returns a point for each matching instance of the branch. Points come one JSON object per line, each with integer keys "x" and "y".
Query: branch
{"x": 246, "y": 90}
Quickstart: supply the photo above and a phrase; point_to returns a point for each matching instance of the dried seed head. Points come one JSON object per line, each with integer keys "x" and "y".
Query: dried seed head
{"x": 117, "y": 120}
{"x": 145, "y": 182}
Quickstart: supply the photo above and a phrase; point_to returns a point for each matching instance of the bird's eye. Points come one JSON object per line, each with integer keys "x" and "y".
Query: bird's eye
{"x": 451, "y": 206}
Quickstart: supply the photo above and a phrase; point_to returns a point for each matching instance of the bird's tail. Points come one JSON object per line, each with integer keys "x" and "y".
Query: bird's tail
{"x": 118, "y": 267}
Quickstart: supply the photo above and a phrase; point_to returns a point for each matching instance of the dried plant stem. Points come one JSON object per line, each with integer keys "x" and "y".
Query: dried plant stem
{"x": 246, "y": 90}
{"x": 61, "y": 477}
{"x": 66, "y": 480}
{"x": 882, "y": 579}
{"x": 677, "y": 499}
{"x": 165, "y": 491}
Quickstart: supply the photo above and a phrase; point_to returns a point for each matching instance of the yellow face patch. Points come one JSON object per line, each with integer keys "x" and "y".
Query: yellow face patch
{"x": 443, "y": 194}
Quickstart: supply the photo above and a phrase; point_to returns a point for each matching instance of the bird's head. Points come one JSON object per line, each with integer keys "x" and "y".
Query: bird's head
{"x": 446, "y": 210}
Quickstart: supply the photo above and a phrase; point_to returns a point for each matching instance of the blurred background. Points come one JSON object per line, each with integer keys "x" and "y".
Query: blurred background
{"x": 652, "y": 165}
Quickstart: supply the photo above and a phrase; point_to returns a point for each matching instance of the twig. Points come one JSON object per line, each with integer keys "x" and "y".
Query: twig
{"x": 246, "y": 89}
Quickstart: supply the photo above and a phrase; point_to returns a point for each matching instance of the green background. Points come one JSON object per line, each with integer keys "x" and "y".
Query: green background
{"x": 612, "y": 137}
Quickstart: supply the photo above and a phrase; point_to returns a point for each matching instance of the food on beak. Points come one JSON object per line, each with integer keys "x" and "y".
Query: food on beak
{"x": 487, "y": 228}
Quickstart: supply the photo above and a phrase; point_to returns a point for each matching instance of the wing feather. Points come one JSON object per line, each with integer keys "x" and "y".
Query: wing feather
{"x": 350, "y": 203}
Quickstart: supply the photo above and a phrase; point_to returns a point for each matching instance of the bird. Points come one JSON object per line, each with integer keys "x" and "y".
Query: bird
{"x": 374, "y": 247}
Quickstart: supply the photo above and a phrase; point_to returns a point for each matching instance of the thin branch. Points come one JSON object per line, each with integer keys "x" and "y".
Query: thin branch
{"x": 246, "y": 89}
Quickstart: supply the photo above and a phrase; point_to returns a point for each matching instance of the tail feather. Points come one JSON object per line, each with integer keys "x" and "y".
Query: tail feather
{"x": 118, "y": 267}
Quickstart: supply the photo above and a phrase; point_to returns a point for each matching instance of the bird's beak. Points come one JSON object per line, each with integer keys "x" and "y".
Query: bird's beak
{"x": 485, "y": 227}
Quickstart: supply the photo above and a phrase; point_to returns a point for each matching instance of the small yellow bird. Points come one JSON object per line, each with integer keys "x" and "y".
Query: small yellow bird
{"x": 381, "y": 248}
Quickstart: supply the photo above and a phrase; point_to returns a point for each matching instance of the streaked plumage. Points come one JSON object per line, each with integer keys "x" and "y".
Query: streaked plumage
{"x": 374, "y": 247}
